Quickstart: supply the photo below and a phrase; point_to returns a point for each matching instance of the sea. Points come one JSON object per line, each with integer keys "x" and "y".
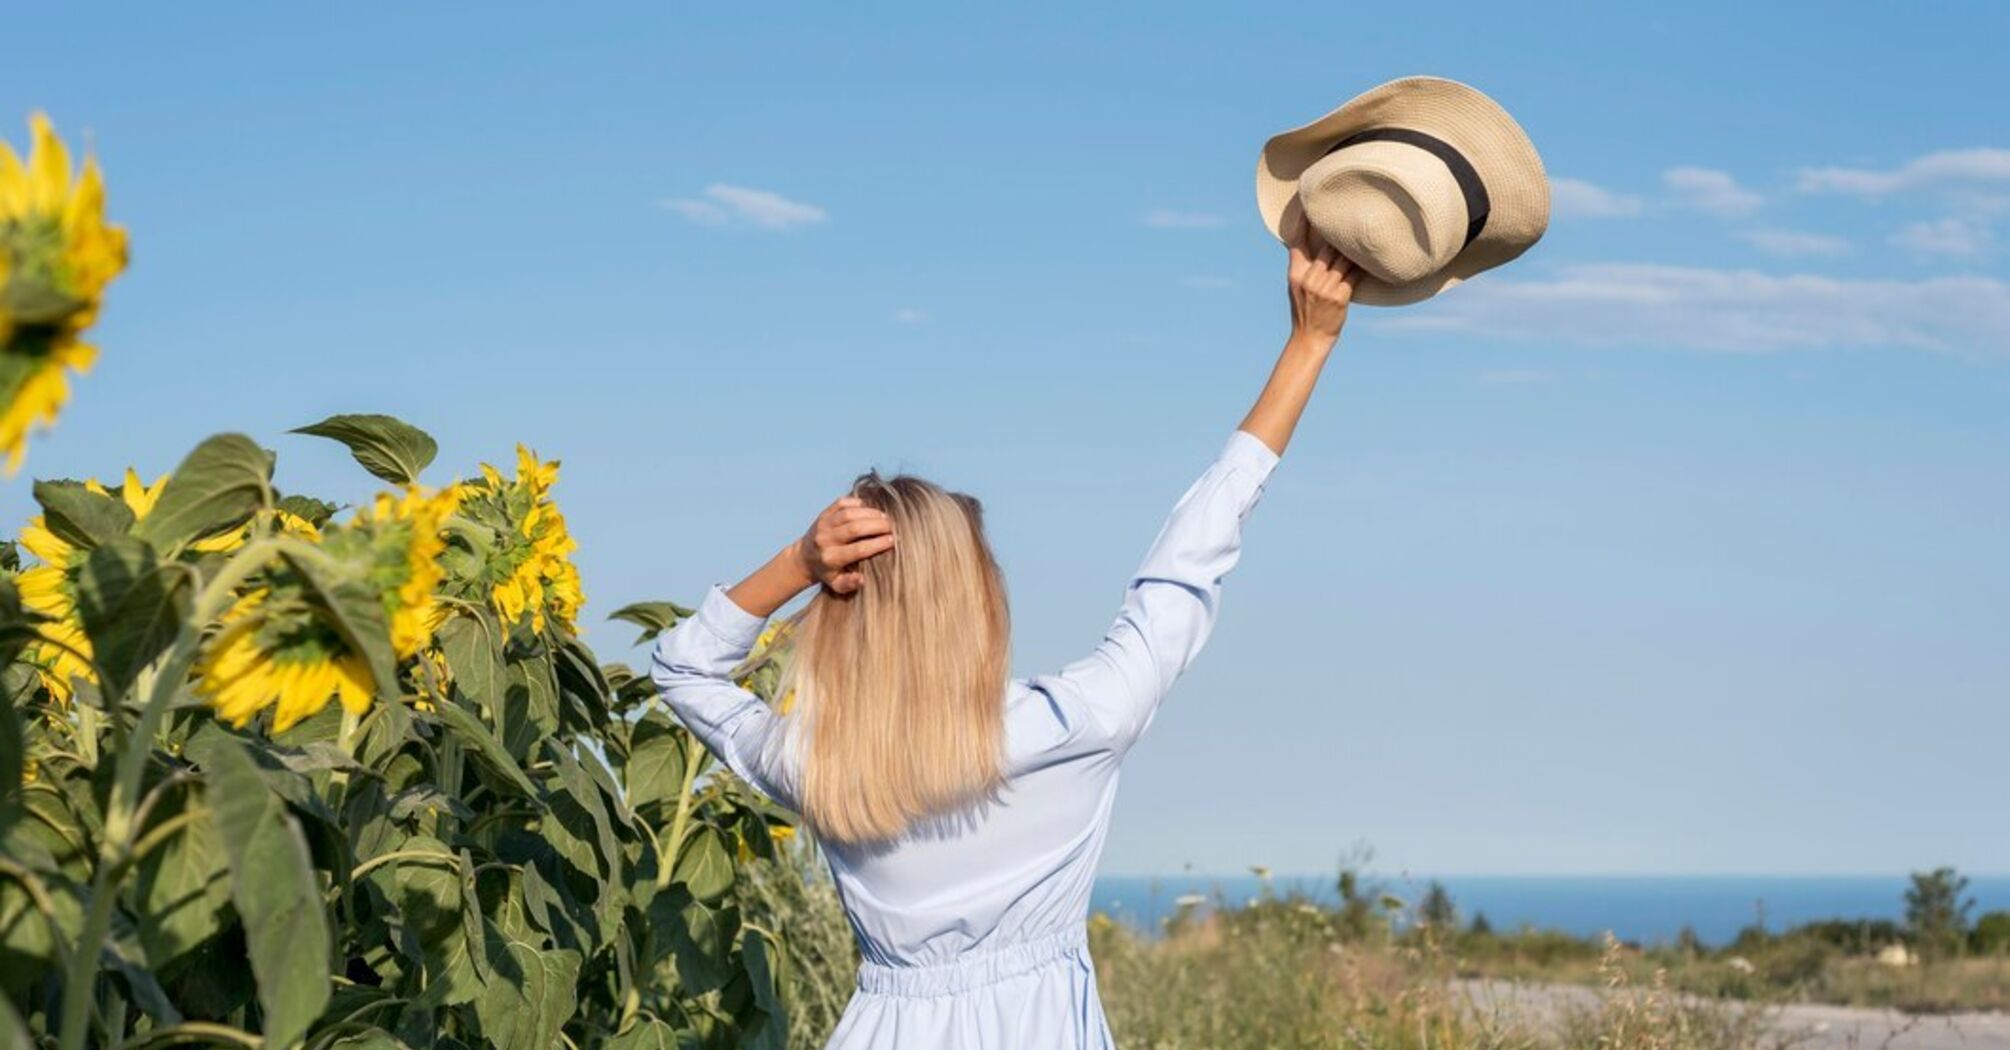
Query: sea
{"x": 1639, "y": 908}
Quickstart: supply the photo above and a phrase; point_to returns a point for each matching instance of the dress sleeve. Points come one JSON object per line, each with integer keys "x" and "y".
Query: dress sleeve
{"x": 1171, "y": 603}
{"x": 692, "y": 668}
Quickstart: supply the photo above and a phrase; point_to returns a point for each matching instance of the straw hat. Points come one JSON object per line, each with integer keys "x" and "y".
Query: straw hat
{"x": 1423, "y": 182}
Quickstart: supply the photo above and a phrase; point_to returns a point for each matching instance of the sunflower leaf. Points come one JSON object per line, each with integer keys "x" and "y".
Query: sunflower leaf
{"x": 488, "y": 751}
{"x": 356, "y": 613}
{"x": 653, "y": 617}
{"x": 315, "y": 512}
{"x": 386, "y": 446}
{"x": 217, "y": 487}
{"x": 80, "y": 517}
{"x": 131, "y": 606}
{"x": 272, "y": 884}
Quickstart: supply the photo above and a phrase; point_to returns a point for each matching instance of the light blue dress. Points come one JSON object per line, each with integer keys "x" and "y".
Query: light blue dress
{"x": 971, "y": 927}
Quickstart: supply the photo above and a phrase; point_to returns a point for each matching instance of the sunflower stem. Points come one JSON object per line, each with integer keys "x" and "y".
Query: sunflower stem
{"x": 679, "y": 824}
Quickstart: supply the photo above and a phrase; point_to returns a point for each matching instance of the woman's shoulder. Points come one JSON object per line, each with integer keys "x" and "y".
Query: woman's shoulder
{"x": 1046, "y": 720}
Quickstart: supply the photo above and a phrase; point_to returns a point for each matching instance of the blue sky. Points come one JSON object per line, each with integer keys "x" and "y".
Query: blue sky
{"x": 1678, "y": 546}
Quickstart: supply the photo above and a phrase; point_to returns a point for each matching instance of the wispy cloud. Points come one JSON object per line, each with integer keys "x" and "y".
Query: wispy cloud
{"x": 722, "y": 204}
{"x": 1710, "y": 191}
{"x": 1578, "y": 199}
{"x": 909, "y": 315}
{"x": 1168, "y": 219}
{"x": 1793, "y": 244}
{"x": 1680, "y": 307}
{"x": 1952, "y": 238}
{"x": 1944, "y": 168}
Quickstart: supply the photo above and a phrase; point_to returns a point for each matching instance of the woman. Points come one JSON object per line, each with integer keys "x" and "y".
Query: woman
{"x": 962, "y": 814}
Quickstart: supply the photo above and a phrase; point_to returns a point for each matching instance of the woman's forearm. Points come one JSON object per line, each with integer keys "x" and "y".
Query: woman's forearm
{"x": 774, "y": 584}
{"x": 1277, "y": 410}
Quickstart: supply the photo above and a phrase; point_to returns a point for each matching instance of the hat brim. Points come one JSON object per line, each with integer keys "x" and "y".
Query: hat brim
{"x": 1475, "y": 125}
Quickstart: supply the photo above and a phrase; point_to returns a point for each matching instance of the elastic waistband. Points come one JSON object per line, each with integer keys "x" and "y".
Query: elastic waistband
{"x": 973, "y": 970}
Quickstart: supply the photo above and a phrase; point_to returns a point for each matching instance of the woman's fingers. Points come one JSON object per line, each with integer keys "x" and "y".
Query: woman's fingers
{"x": 858, "y": 528}
{"x": 847, "y": 582}
{"x": 853, "y": 553}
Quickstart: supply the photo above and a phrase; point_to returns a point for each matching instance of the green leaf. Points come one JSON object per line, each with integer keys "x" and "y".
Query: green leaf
{"x": 704, "y": 864}
{"x": 425, "y": 890}
{"x": 769, "y": 1028}
{"x": 13, "y": 1033}
{"x": 530, "y": 998}
{"x": 700, "y": 937}
{"x": 651, "y": 1034}
{"x": 472, "y": 923}
{"x": 131, "y": 606}
{"x": 80, "y": 517}
{"x": 274, "y": 888}
{"x": 13, "y": 760}
{"x": 356, "y": 613}
{"x": 368, "y": 1039}
{"x": 16, "y": 627}
{"x": 315, "y": 512}
{"x": 487, "y": 751}
{"x": 472, "y": 644}
{"x": 530, "y": 705}
{"x": 655, "y": 769}
{"x": 653, "y": 617}
{"x": 218, "y": 487}
{"x": 386, "y": 446}
{"x": 181, "y": 889}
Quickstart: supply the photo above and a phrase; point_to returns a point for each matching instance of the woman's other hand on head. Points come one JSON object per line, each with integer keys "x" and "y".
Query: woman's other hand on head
{"x": 844, "y": 535}
{"x": 1321, "y": 284}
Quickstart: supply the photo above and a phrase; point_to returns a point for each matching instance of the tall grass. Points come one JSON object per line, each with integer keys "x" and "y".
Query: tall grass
{"x": 1285, "y": 974}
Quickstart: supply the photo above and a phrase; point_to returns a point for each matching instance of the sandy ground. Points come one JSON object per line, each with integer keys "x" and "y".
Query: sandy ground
{"x": 1811, "y": 1026}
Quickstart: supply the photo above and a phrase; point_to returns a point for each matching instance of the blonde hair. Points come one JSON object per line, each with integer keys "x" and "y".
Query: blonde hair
{"x": 899, "y": 712}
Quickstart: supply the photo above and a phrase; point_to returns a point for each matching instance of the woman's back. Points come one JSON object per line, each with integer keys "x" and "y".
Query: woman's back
{"x": 971, "y": 923}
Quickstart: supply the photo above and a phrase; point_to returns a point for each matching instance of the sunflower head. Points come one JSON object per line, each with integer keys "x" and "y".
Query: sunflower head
{"x": 521, "y": 563}
{"x": 279, "y": 646}
{"x": 49, "y": 589}
{"x": 277, "y": 650}
{"x": 57, "y": 254}
{"x": 399, "y": 536}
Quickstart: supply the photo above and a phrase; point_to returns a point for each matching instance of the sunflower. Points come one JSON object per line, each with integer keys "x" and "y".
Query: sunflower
{"x": 50, "y": 589}
{"x": 57, "y": 254}
{"x": 527, "y": 569}
{"x": 279, "y": 649}
{"x": 282, "y": 655}
{"x": 406, "y": 542}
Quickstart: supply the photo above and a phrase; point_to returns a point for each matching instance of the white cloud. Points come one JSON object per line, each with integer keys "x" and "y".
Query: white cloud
{"x": 909, "y": 315}
{"x": 1791, "y": 243}
{"x": 1710, "y": 191}
{"x": 1950, "y": 238}
{"x": 1578, "y": 199}
{"x": 722, "y": 204}
{"x": 1946, "y": 167}
{"x": 1167, "y": 219}
{"x": 1680, "y": 307}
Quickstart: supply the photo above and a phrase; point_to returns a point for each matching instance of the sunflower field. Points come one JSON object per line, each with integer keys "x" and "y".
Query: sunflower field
{"x": 278, "y": 773}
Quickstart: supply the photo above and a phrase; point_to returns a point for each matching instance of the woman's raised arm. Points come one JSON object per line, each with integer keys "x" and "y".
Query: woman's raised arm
{"x": 1171, "y": 603}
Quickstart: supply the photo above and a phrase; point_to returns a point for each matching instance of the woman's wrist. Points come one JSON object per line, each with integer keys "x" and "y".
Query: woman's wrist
{"x": 1308, "y": 342}
{"x": 775, "y": 584}
{"x": 793, "y": 565}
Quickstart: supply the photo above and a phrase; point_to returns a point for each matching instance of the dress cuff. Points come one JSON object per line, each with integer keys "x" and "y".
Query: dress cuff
{"x": 1247, "y": 451}
{"x": 731, "y": 624}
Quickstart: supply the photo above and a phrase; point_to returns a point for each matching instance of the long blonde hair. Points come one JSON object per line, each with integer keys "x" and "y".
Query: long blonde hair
{"x": 899, "y": 709}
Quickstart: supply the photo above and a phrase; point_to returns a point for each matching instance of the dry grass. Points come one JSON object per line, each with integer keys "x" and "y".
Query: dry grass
{"x": 1279, "y": 976}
